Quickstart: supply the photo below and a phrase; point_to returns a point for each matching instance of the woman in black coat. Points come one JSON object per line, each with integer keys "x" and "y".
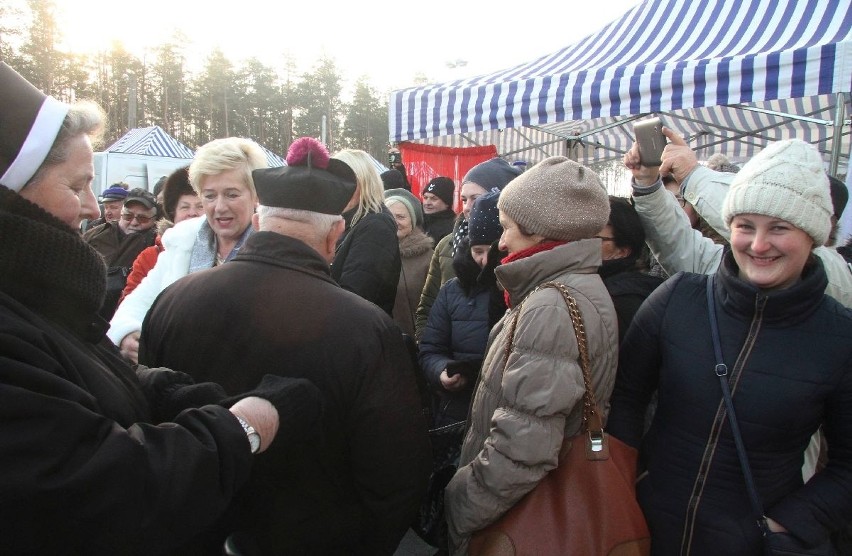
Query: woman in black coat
{"x": 89, "y": 464}
{"x": 367, "y": 261}
{"x": 453, "y": 343}
{"x": 788, "y": 351}
{"x": 622, "y": 244}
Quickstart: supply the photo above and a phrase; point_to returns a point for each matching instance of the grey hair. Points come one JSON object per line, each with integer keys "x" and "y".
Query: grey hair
{"x": 83, "y": 118}
{"x": 320, "y": 223}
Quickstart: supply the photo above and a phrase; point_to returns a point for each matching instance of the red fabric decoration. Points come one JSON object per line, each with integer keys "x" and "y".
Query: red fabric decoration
{"x": 528, "y": 252}
{"x": 424, "y": 162}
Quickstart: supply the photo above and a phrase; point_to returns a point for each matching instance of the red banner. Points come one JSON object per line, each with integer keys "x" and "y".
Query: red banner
{"x": 424, "y": 162}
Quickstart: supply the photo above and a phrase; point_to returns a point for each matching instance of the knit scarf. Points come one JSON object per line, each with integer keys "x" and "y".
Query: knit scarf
{"x": 459, "y": 235}
{"x": 528, "y": 252}
{"x": 46, "y": 266}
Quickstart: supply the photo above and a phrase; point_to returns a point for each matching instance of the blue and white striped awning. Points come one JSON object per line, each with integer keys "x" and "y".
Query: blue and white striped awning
{"x": 150, "y": 141}
{"x": 272, "y": 159}
{"x": 730, "y": 75}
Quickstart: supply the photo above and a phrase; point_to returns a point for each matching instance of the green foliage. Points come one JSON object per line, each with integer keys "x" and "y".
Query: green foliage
{"x": 247, "y": 99}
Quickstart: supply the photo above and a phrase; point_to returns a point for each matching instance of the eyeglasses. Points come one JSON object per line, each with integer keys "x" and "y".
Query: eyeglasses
{"x": 604, "y": 238}
{"x": 129, "y": 216}
{"x": 681, "y": 200}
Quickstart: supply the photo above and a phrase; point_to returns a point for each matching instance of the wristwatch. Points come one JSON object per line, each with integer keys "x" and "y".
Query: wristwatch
{"x": 253, "y": 436}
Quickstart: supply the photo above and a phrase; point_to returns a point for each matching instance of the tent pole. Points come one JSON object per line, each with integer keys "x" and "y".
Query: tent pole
{"x": 573, "y": 148}
{"x": 837, "y": 141}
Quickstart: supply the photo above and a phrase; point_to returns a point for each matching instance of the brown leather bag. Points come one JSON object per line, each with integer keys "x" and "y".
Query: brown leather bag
{"x": 587, "y": 505}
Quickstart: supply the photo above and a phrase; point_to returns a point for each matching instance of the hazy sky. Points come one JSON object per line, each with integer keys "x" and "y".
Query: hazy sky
{"x": 390, "y": 42}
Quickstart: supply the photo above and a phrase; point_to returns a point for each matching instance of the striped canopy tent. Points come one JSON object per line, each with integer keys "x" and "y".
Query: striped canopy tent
{"x": 150, "y": 141}
{"x": 273, "y": 159}
{"x": 729, "y": 75}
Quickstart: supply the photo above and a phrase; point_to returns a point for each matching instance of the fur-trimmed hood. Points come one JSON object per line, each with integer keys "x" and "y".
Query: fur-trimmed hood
{"x": 414, "y": 244}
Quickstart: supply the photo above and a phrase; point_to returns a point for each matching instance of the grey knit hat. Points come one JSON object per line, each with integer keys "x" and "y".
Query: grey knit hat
{"x": 409, "y": 201}
{"x": 558, "y": 199}
{"x": 786, "y": 180}
{"x": 492, "y": 175}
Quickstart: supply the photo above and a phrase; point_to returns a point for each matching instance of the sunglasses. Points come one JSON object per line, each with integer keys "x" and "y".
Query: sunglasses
{"x": 129, "y": 216}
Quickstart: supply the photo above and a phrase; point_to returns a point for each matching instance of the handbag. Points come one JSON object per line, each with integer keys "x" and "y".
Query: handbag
{"x": 586, "y": 506}
{"x": 774, "y": 544}
{"x": 430, "y": 523}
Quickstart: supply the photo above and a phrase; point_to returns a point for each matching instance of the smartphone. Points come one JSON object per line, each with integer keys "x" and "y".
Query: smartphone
{"x": 649, "y": 136}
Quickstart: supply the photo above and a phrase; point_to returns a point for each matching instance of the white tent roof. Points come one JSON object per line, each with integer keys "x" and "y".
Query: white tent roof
{"x": 731, "y": 75}
{"x": 150, "y": 141}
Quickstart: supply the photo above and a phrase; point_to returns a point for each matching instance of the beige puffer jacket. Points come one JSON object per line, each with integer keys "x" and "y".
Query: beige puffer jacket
{"x": 520, "y": 415}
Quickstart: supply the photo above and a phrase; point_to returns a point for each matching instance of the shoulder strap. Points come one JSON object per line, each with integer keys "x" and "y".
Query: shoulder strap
{"x": 592, "y": 422}
{"x": 722, "y": 372}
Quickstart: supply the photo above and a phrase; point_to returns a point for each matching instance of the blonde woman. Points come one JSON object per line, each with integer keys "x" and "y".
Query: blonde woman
{"x": 367, "y": 260}
{"x": 221, "y": 174}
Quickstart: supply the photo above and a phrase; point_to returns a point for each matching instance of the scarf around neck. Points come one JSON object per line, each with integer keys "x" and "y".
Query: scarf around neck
{"x": 529, "y": 252}
{"x": 205, "y": 248}
{"x": 47, "y": 266}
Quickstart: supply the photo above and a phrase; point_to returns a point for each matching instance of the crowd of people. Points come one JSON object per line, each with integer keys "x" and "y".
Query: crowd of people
{"x": 250, "y": 360}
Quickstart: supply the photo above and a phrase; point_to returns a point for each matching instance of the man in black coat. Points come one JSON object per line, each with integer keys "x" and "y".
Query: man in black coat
{"x": 355, "y": 487}
{"x": 438, "y": 196}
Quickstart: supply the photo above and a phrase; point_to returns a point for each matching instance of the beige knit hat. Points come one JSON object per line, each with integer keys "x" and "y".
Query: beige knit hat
{"x": 558, "y": 199}
{"x": 786, "y": 180}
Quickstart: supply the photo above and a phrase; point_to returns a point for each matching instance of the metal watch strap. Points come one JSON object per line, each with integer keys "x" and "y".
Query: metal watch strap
{"x": 251, "y": 434}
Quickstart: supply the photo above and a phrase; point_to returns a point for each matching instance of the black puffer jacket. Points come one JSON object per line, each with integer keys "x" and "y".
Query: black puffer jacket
{"x": 789, "y": 355}
{"x": 628, "y": 288}
{"x": 367, "y": 261}
{"x": 457, "y": 330}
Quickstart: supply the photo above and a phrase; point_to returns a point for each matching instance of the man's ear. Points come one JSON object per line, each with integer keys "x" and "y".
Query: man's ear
{"x": 255, "y": 222}
{"x": 332, "y": 237}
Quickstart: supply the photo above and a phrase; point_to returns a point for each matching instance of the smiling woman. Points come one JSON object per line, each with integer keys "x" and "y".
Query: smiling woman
{"x": 785, "y": 345}
{"x": 221, "y": 172}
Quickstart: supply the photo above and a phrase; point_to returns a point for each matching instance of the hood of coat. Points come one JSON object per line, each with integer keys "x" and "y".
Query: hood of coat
{"x": 414, "y": 244}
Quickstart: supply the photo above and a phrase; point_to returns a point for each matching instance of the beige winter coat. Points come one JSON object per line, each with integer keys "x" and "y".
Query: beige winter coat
{"x": 521, "y": 414}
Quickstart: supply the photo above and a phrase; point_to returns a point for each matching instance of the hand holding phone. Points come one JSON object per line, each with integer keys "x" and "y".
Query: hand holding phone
{"x": 651, "y": 141}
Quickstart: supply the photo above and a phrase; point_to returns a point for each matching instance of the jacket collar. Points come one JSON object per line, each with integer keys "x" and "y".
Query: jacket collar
{"x": 446, "y": 214}
{"x": 284, "y": 252}
{"x": 46, "y": 266}
{"x": 520, "y": 277}
{"x": 787, "y": 306}
{"x": 414, "y": 244}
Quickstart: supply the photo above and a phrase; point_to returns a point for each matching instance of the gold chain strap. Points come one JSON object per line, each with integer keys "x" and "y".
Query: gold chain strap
{"x": 590, "y": 411}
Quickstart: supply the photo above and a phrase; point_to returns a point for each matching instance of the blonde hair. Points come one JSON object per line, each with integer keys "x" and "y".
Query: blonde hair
{"x": 370, "y": 185}
{"x": 223, "y": 155}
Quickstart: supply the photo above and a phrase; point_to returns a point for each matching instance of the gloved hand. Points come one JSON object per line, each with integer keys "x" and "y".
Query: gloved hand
{"x": 298, "y": 401}
{"x": 170, "y": 392}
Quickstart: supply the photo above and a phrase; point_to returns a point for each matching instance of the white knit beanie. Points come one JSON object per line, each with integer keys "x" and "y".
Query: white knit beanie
{"x": 557, "y": 199}
{"x": 786, "y": 180}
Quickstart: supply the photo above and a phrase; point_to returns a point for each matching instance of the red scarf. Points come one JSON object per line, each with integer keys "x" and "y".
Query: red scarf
{"x": 528, "y": 252}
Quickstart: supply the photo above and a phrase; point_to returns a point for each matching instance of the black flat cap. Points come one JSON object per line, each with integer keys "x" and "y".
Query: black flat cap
{"x": 326, "y": 191}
